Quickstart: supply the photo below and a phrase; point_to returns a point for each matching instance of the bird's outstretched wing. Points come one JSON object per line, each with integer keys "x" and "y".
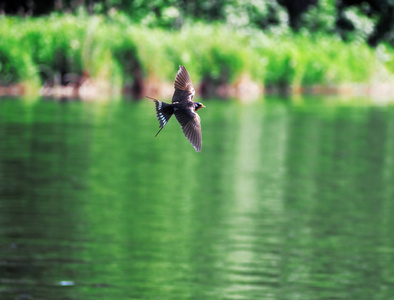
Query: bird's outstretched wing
{"x": 191, "y": 126}
{"x": 184, "y": 90}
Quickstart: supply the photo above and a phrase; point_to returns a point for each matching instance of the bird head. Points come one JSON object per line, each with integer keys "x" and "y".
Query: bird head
{"x": 198, "y": 105}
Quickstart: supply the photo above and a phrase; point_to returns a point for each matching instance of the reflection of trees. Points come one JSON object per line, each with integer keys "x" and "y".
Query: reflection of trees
{"x": 251, "y": 243}
{"x": 42, "y": 171}
{"x": 334, "y": 202}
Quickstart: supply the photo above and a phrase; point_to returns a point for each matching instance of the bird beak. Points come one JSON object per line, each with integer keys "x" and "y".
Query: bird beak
{"x": 202, "y": 105}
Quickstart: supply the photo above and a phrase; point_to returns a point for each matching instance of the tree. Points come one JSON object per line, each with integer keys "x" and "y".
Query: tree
{"x": 382, "y": 11}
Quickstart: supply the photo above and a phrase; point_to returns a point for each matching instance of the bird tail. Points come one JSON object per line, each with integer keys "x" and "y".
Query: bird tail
{"x": 164, "y": 112}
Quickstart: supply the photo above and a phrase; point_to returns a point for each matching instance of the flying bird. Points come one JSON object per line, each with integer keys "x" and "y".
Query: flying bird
{"x": 183, "y": 107}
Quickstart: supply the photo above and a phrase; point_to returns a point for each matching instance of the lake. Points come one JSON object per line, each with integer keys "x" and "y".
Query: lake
{"x": 287, "y": 200}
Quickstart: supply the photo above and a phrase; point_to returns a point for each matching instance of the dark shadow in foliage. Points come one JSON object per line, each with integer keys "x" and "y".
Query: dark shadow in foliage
{"x": 383, "y": 10}
{"x": 126, "y": 57}
{"x": 295, "y": 9}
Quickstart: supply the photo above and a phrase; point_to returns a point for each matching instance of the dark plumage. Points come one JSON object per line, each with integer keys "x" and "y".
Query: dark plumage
{"x": 183, "y": 108}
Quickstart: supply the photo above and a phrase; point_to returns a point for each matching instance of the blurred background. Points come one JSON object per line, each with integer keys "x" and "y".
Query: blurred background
{"x": 290, "y": 198}
{"x": 91, "y": 49}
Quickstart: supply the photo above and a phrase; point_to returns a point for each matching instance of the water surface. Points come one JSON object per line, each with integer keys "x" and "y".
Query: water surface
{"x": 285, "y": 201}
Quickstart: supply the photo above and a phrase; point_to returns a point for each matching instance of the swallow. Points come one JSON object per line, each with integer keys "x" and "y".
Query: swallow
{"x": 183, "y": 107}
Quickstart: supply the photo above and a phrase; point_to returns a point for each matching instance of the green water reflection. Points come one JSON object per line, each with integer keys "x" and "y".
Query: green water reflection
{"x": 285, "y": 201}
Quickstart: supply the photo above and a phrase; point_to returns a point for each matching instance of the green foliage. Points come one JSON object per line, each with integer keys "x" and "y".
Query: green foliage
{"x": 320, "y": 18}
{"x": 385, "y": 54}
{"x": 219, "y": 54}
{"x": 351, "y": 20}
{"x": 363, "y": 25}
{"x": 307, "y": 60}
{"x": 16, "y": 64}
{"x": 114, "y": 49}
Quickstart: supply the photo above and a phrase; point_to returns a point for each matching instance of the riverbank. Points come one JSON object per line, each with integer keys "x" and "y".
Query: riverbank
{"x": 94, "y": 56}
{"x": 246, "y": 92}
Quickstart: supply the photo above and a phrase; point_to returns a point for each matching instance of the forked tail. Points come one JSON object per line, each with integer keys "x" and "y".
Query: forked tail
{"x": 164, "y": 111}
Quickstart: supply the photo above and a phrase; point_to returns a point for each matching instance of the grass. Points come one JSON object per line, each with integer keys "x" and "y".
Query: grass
{"x": 113, "y": 49}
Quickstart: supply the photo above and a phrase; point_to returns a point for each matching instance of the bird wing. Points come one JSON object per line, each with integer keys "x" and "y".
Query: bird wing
{"x": 184, "y": 90}
{"x": 191, "y": 126}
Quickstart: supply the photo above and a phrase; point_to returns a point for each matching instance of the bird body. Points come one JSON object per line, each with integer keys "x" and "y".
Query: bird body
{"x": 183, "y": 107}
